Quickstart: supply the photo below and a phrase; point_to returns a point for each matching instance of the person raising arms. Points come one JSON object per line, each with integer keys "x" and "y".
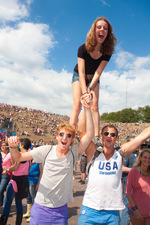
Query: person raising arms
{"x": 93, "y": 57}
{"x": 102, "y": 200}
{"x": 55, "y": 188}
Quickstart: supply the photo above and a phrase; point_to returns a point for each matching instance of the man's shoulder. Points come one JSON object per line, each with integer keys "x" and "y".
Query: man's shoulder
{"x": 43, "y": 149}
{"x": 74, "y": 147}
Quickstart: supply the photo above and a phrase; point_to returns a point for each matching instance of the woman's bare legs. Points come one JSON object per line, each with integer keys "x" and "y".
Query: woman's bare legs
{"x": 95, "y": 110}
{"x": 96, "y": 119}
{"x": 81, "y": 130}
{"x": 76, "y": 90}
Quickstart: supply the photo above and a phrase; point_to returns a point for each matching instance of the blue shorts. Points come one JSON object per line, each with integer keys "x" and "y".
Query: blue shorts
{"x": 97, "y": 217}
{"x": 75, "y": 78}
{"x": 43, "y": 215}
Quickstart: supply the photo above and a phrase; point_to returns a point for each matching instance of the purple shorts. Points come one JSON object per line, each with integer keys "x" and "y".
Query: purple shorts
{"x": 42, "y": 215}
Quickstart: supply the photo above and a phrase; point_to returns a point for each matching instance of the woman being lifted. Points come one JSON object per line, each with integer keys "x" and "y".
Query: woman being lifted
{"x": 93, "y": 57}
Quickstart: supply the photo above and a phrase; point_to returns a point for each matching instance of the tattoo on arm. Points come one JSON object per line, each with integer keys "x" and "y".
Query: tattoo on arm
{"x": 121, "y": 153}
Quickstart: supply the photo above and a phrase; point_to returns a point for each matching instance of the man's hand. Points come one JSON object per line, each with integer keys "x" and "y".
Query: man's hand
{"x": 86, "y": 100}
{"x": 13, "y": 141}
{"x": 138, "y": 214}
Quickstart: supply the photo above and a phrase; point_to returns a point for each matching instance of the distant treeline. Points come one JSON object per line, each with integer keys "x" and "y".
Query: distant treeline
{"x": 128, "y": 115}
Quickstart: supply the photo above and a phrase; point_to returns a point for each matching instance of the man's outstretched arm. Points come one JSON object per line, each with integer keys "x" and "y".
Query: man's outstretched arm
{"x": 15, "y": 154}
{"x": 132, "y": 145}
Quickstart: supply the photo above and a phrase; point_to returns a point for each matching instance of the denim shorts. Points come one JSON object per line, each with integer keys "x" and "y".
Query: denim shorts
{"x": 91, "y": 216}
{"x": 75, "y": 78}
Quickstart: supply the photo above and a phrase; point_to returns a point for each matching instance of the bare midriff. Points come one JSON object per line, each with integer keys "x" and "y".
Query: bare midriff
{"x": 89, "y": 76}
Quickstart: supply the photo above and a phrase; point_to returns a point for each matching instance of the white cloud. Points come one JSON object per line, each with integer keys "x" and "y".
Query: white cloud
{"x": 47, "y": 89}
{"x": 142, "y": 62}
{"x": 128, "y": 86}
{"x": 26, "y": 45}
{"x": 124, "y": 60}
{"x": 104, "y": 2}
{"x": 27, "y": 77}
{"x": 12, "y": 10}
{"x": 24, "y": 77}
{"x": 50, "y": 91}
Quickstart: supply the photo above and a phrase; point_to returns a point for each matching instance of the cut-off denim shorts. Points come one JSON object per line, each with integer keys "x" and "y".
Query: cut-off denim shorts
{"x": 75, "y": 78}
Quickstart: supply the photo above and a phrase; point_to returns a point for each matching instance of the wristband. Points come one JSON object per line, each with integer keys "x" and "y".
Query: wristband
{"x": 7, "y": 170}
{"x": 134, "y": 208}
{"x": 90, "y": 88}
{"x": 12, "y": 147}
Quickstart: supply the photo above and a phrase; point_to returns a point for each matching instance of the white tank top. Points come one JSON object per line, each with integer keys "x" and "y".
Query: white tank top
{"x": 104, "y": 188}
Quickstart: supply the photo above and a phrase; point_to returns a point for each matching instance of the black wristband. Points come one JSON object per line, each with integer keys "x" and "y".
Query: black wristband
{"x": 134, "y": 208}
{"x": 12, "y": 147}
{"x": 90, "y": 88}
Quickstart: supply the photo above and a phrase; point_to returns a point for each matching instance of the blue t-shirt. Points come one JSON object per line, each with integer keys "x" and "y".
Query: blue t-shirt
{"x": 129, "y": 161}
{"x": 34, "y": 173}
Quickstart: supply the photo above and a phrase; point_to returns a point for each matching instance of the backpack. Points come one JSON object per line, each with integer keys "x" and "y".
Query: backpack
{"x": 49, "y": 152}
{"x": 96, "y": 154}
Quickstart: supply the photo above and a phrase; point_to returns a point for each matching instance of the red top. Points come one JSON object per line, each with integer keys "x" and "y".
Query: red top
{"x": 139, "y": 187}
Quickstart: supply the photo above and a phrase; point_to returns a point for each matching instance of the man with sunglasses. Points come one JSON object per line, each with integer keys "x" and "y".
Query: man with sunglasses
{"x": 103, "y": 201}
{"x": 55, "y": 188}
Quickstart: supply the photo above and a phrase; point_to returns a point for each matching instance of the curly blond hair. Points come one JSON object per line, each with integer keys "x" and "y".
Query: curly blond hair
{"x": 108, "y": 45}
{"x": 66, "y": 127}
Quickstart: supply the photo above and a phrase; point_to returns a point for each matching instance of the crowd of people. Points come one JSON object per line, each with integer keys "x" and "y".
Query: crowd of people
{"x": 109, "y": 162}
{"x": 27, "y": 122}
{"x": 118, "y": 168}
{"x": 30, "y": 121}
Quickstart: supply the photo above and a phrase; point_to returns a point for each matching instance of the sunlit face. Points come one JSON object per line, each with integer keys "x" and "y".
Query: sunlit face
{"x": 64, "y": 139}
{"x": 101, "y": 31}
{"x": 145, "y": 159}
{"x": 3, "y": 146}
{"x": 109, "y": 137}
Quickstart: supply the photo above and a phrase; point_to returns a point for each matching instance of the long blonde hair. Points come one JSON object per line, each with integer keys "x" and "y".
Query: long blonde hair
{"x": 109, "y": 43}
{"x": 138, "y": 159}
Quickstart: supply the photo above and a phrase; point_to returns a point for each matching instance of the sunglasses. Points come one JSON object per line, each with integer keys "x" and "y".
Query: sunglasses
{"x": 62, "y": 134}
{"x": 107, "y": 133}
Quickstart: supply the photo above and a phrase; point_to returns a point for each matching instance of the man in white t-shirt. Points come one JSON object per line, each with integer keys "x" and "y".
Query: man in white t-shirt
{"x": 55, "y": 189}
{"x": 103, "y": 197}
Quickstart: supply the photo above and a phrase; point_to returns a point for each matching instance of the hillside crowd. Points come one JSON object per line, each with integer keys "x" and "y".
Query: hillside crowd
{"x": 44, "y": 123}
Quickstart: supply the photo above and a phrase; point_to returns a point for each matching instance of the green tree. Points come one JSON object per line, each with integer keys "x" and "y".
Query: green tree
{"x": 147, "y": 114}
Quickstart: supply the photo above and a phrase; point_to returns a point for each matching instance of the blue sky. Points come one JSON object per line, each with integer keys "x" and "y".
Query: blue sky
{"x": 71, "y": 20}
{"x": 38, "y": 51}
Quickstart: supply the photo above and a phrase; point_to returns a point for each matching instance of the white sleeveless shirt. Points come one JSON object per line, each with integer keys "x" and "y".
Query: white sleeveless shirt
{"x": 104, "y": 188}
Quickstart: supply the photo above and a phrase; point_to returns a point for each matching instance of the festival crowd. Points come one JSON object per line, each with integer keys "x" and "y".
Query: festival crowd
{"x": 114, "y": 157}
